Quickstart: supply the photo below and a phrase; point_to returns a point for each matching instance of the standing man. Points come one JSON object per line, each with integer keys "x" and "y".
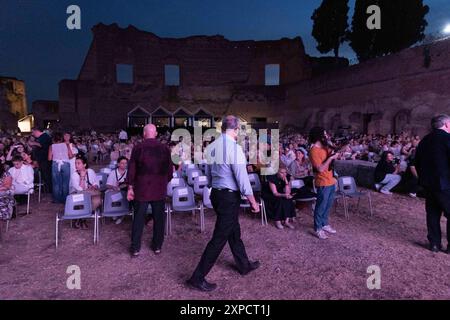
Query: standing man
{"x": 42, "y": 144}
{"x": 229, "y": 179}
{"x": 123, "y": 136}
{"x": 321, "y": 160}
{"x": 149, "y": 171}
{"x": 433, "y": 167}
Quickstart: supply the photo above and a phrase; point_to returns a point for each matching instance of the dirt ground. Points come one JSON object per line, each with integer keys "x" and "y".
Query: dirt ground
{"x": 294, "y": 264}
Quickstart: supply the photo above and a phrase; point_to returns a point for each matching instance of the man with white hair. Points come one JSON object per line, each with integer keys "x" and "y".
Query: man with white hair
{"x": 433, "y": 167}
{"x": 149, "y": 170}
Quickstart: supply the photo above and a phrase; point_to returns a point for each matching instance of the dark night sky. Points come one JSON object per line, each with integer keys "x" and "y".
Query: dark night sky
{"x": 36, "y": 46}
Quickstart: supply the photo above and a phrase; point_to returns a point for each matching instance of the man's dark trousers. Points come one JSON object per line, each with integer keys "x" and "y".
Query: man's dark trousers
{"x": 227, "y": 228}
{"x": 139, "y": 222}
{"x": 437, "y": 202}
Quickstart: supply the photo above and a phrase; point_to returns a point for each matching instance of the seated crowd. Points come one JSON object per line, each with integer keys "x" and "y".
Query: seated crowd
{"x": 60, "y": 163}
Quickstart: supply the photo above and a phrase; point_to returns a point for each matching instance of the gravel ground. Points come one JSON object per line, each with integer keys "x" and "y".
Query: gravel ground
{"x": 295, "y": 265}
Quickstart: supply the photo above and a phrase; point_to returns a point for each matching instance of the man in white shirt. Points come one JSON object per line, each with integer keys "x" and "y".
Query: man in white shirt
{"x": 22, "y": 175}
{"x": 123, "y": 136}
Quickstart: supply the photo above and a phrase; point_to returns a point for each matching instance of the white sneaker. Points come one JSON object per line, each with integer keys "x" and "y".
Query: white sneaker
{"x": 413, "y": 195}
{"x": 378, "y": 186}
{"x": 329, "y": 229}
{"x": 321, "y": 235}
{"x": 119, "y": 220}
{"x": 386, "y": 192}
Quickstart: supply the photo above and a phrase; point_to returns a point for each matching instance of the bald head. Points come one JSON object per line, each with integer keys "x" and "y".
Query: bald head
{"x": 150, "y": 131}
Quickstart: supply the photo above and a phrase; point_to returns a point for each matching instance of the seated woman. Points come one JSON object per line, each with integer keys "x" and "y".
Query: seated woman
{"x": 386, "y": 174}
{"x": 85, "y": 180}
{"x": 116, "y": 179}
{"x": 278, "y": 199}
{"x": 301, "y": 168}
{"x": 22, "y": 175}
{"x": 7, "y": 201}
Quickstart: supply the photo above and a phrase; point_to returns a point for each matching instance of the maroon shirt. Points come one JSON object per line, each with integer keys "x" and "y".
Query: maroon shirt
{"x": 149, "y": 170}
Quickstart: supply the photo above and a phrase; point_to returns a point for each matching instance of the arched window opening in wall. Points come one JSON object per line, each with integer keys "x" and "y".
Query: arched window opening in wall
{"x": 204, "y": 119}
{"x": 182, "y": 118}
{"x": 138, "y": 118}
{"x": 161, "y": 118}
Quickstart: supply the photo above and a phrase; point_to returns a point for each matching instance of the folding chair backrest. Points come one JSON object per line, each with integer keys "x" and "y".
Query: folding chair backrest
{"x": 255, "y": 182}
{"x": 174, "y": 183}
{"x": 185, "y": 167}
{"x": 203, "y": 165}
{"x": 115, "y": 201}
{"x": 78, "y": 204}
{"x": 183, "y": 197}
{"x": 347, "y": 185}
{"x": 297, "y": 184}
{"x": 106, "y": 170}
{"x": 192, "y": 174}
{"x": 102, "y": 178}
{"x": 207, "y": 197}
{"x": 199, "y": 184}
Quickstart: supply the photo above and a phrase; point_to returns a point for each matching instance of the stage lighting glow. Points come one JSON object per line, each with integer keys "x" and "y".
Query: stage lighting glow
{"x": 447, "y": 29}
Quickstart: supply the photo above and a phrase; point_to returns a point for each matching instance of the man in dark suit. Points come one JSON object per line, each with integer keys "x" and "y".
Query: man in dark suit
{"x": 433, "y": 167}
{"x": 149, "y": 170}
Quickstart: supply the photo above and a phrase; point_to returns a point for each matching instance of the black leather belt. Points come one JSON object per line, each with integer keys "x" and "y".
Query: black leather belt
{"x": 226, "y": 190}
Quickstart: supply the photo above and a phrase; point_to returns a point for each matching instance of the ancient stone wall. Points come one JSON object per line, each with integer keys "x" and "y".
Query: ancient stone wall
{"x": 216, "y": 75}
{"x": 400, "y": 92}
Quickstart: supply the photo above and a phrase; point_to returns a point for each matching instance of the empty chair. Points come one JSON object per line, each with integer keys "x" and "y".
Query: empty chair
{"x": 174, "y": 183}
{"x": 183, "y": 200}
{"x": 348, "y": 189}
{"x": 206, "y": 202}
{"x": 78, "y": 206}
{"x": 187, "y": 166}
{"x": 207, "y": 198}
{"x": 191, "y": 174}
{"x": 199, "y": 184}
{"x": 255, "y": 182}
{"x": 115, "y": 204}
{"x": 203, "y": 166}
{"x": 102, "y": 178}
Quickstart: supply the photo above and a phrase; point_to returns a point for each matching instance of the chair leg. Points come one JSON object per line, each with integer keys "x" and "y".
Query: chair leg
{"x": 202, "y": 217}
{"x": 28, "y": 203}
{"x": 7, "y": 225}
{"x": 346, "y": 208}
{"x": 265, "y": 215}
{"x": 170, "y": 221}
{"x": 56, "y": 231}
{"x": 370, "y": 204}
{"x": 39, "y": 194}
{"x": 96, "y": 228}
